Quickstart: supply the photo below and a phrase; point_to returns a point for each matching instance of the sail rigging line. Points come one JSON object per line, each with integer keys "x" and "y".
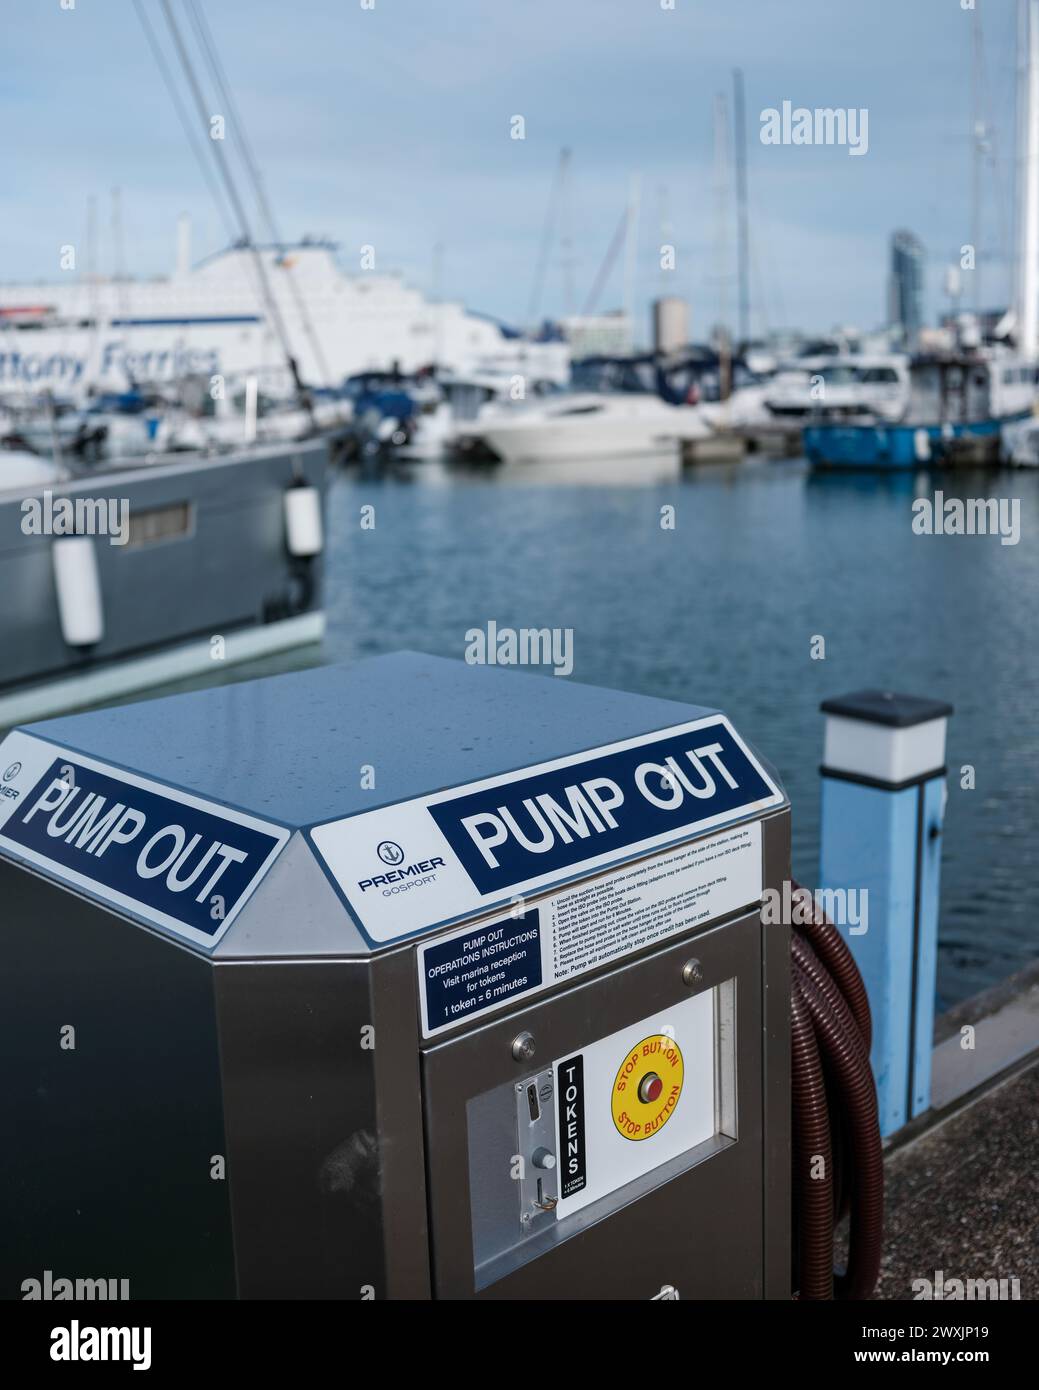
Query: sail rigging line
{"x": 209, "y": 49}
{"x": 608, "y": 262}
{"x": 235, "y": 200}
{"x": 185, "y": 120}
{"x": 212, "y": 182}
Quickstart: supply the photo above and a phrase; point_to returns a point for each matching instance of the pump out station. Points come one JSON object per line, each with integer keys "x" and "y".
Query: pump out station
{"x": 401, "y": 980}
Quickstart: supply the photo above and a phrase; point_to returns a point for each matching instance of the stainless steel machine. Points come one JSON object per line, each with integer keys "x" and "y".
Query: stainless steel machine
{"x": 399, "y": 980}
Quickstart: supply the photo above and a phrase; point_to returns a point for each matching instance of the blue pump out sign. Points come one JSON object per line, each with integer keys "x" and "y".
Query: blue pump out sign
{"x": 424, "y": 863}
{"x": 550, "y": 821}
{"x": 173, "y": 860}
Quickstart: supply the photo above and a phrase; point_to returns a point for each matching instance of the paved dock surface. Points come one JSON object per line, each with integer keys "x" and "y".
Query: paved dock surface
{"x": 963, "y": 1197}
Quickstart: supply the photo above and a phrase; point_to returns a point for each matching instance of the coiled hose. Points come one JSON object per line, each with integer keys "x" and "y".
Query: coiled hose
{"x": 838, "y": 1165}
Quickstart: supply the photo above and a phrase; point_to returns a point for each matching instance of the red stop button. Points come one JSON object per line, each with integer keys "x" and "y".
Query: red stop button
{"x": 650, "y": 1088}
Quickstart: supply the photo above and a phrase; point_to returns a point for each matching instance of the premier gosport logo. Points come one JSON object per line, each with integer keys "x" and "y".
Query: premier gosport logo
{"x": 10, "y": 773}
{"x": 399, "y": 879}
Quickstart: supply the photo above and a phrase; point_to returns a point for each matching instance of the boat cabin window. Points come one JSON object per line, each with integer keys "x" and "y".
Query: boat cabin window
{"x": 1012, "y": 374}
{"x": 159, "y": 524}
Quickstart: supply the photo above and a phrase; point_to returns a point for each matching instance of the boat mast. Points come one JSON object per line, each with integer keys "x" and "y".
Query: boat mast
{"x": 742, "y": 228}
{"x": 1028, "y": 178}
{"x": 631, "y": 240}
{"x": 548, "y": 233}
{"x": 119, "y": 253}
{"x": 977, "y": 154}
{"x": 93, "y": 372}
{"x": 722, "y": 240}
{"x": 567, "y": 260}
{"x": 438, "y": 302}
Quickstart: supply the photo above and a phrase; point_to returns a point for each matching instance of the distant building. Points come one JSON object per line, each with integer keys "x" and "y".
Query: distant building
{"x": 597, "y": 335}
{"x": 670, "y": 323}
{"x": 906, "y": 285}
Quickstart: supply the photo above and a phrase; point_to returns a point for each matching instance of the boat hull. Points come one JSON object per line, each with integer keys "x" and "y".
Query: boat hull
{"x": 902, "y": 447}
{"x": 207, "y": 561}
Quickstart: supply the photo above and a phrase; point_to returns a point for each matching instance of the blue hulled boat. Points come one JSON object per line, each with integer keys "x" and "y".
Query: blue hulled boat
{"x": 957, "y": 405}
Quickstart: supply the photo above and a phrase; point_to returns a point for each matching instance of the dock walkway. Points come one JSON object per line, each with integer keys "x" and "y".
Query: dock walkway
{"x": 962, "y": 1197}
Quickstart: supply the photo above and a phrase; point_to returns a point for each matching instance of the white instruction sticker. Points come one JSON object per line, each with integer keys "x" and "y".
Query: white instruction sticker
{"x": 492, "y": 963}
{"x": 632, "y": 1101}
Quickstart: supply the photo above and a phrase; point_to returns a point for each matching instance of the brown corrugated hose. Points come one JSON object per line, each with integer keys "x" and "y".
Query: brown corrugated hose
{"x": 813, "y": 1194}
{"x": 832, "y": 950}
{"x": 837, "y": 1156}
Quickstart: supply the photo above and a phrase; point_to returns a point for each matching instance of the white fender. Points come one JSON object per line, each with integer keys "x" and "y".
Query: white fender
{"x": 304, "y": 532}
{"x": 76, "y": 579}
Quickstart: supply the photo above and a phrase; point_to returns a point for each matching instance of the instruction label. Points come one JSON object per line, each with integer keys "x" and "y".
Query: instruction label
{"x": 492, "y": 963}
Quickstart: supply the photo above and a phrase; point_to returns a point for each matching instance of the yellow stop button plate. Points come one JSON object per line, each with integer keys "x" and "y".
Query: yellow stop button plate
{"x": 647, "y": 1087}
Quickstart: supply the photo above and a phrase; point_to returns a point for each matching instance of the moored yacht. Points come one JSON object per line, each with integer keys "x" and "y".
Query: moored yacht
{"x": 124, "y": 578}
{"x": 621, "y": 425}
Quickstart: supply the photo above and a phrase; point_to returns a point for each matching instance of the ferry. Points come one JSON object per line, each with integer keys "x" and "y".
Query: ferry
{"x": 208, "y": 319}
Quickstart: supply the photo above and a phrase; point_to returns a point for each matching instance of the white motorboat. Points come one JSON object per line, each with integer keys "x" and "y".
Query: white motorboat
{"x": 744, "y": 409}
{"x": 841, "y": 385}
{"x": 586, "y": 425}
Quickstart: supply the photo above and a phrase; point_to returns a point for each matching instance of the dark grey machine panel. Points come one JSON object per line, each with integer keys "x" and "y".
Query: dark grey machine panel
{"x": 271, "y": 1110}
{"x": 111, "y": 1100}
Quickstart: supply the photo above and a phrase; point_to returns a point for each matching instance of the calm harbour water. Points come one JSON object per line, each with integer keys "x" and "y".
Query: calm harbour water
{"x": 722, "y": 610}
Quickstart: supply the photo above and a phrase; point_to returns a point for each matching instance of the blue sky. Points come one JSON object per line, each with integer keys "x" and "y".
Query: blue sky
{"x": 390, "y": 127}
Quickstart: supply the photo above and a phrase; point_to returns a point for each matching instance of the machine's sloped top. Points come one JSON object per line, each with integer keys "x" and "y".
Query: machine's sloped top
{"x": 293, "y": 748}
{"x": 427, "y": 790}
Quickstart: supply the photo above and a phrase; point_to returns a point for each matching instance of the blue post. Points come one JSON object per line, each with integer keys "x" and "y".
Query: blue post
{"x": 883, "y": 802}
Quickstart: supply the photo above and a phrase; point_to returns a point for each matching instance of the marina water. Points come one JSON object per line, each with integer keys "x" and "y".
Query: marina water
{"x": 722, "y": 610}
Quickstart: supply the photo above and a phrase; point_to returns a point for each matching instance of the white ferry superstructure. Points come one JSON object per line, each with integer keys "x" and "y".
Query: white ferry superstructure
{"x": 209, "y": 319}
